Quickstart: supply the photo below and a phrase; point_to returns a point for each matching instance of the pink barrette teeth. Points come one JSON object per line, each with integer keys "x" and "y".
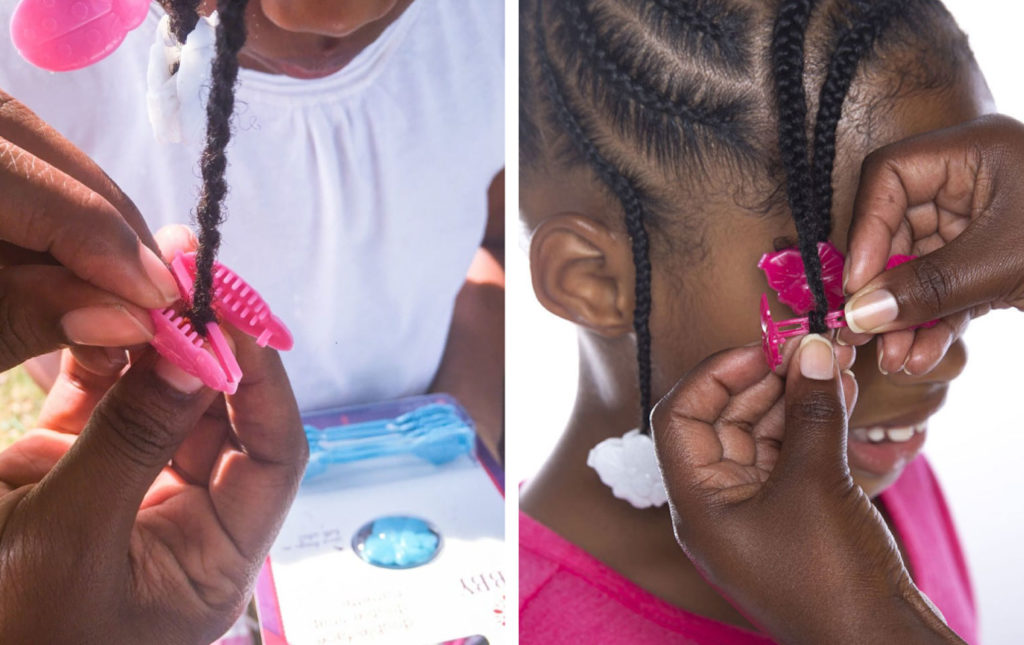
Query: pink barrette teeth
{"x": 785, "y": 273}
{"x": 64, "y": 35}
{"x": 234, "y": 300}
{"x": 176, "y": 340}
{"x": 239, "y": 304}
{"x": 774, "y": 335}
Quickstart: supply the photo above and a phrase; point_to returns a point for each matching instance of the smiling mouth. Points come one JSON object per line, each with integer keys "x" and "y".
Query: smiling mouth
{"x": 896, "y": 434}
{"x": 881, "y": 447}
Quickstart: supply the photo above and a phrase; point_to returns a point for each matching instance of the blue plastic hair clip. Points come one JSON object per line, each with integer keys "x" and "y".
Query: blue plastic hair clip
{"x": 435, "y": 433}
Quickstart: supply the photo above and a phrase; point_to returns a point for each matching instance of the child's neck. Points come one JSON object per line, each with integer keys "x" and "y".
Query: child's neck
{"x": 567, "y": 496}
{"x": 274, "y": 50}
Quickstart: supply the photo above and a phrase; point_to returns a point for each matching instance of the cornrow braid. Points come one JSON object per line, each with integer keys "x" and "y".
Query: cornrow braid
{"x": 213, "y": 163}
{"x": 853, "y": 43}
{"x": 633, "y": 97}
{"x": 627, "y": 193}
{"x": 787, "y": 55}
{"x": 715, "y": 31}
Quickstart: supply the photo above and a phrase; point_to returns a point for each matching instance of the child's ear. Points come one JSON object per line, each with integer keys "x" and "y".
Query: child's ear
{"x": 583, "y": 272}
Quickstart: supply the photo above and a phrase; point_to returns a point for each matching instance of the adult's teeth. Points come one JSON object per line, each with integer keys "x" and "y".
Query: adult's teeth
{"x": 876, "y": 434}
{"x": 900, "y": 435}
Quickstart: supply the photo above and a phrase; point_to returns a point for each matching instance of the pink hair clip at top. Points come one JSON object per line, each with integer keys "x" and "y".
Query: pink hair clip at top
{"x": 235, "y": 302}
{"x": 64, "y": 35}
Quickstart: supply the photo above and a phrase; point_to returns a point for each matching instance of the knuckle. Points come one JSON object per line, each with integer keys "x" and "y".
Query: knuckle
{"x": 19, "y": 338}
{"x": 933, "y": 285}
{"x": 144, "y": 434}
{"x": 816, "y": 407}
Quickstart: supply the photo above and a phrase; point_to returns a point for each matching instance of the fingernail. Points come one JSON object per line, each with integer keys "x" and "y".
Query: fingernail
{"x": 176, "y": 377}
{"x": 816, "y": 358}
{"x": 117, "y": 357}
{"x": 841, "y": 342}
{"x": 107, "y": 326}
{"x": 850, "y": 374}
{"x": 159, "y": 275}
{"x": 880, "y": 353}
{"x": 872, "y": 310}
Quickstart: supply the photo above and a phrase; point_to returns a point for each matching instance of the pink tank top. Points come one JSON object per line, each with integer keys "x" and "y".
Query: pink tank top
{"x": 568, "y": 596}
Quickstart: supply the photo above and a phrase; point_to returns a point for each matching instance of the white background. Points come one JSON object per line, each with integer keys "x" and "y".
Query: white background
{"x": 976, "y": 443}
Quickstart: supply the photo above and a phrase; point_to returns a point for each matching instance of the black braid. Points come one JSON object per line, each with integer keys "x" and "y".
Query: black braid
{"x": 788, "y": 64}
{"x": 184, "y": 15}
{"x": 853, "y": 43}
{"x": 213, "y": 163}
{"x": 684, "y": 109}
{"x": 627, "y": 193}
{"x": 712, "y": 29}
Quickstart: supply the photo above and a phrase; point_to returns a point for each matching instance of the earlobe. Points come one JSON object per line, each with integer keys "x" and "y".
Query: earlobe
{"x": 583, "y": 272}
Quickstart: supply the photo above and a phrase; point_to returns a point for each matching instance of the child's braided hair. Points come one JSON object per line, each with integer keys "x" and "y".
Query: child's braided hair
{"x": 622, "y": 86}
{"x": 221, "y": 103}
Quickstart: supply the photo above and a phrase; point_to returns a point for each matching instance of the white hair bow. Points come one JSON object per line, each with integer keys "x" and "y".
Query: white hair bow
{"x": 176, "y": 100}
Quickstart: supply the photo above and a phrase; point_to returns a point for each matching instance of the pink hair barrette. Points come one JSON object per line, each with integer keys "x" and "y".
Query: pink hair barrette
{"x": 235, "y": 302}
{"x": 774, "y": 335}
{"x": 64, "y": 35}
{"x": 785, "y": 272}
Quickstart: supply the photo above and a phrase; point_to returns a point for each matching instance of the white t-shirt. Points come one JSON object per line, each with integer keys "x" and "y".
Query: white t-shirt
{"x": 356, "y": 201}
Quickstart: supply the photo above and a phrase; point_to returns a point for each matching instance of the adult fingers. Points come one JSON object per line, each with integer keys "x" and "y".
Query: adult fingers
{"x": 45, "y": 307}
{"x": 44, "y": 209}
{"x": 814, "y": 447}
{"x": 75, "y": 394}
{"x": 257, "y": 476}
{"x": 175, "y": 237}
{"x": 32, "y": 456}
{"x": 683, "y": 423}
{"x": 94, "y": 493}
{"x": 977, "y": 268}
{"x": 23, "y": 128}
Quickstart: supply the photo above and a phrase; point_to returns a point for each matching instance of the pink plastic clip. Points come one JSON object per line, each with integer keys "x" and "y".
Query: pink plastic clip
{"x": 774, "y": 335}
{"x": 177, "y": 341}
{"x": 239, "y": 304}
{"x": 785, "y": 272}
{"x": 62, "y": 35}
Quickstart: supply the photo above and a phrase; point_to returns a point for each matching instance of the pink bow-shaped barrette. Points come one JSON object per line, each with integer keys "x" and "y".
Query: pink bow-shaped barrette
{"x": 785, "y": 273}
{"x": 235, "y": 302}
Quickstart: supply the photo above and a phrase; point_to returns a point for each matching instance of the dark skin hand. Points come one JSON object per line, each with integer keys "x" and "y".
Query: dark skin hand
{"x": 173, "y": 551}
{"x": 952, "y": 196}
{"x": 734, "y": 466}
{"x": 747, "y": 452}
{"x": 84, "y": 280}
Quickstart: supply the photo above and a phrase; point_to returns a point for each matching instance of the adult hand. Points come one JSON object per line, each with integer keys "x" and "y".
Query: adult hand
{"x": 102, "y": 542}
{"x": 73, "y": 268}
{"x": 955, "y": 198}
{"x": 763, "y": 502}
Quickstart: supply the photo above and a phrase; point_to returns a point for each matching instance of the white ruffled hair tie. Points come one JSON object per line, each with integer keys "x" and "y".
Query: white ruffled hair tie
{"x": 177, "y": 101}
{"x": 629, "y": 466}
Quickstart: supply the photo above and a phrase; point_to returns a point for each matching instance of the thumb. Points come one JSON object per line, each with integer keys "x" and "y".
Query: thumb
{"x": 814, "y": 445}
{"x": 974, "y": 269}
{"x": 95, "y": 491}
